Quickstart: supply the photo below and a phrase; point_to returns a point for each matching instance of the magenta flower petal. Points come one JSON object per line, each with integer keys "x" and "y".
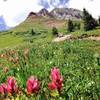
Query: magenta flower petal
{"x": 32, "y": 85}
{"x": 52, "y": 86}
{"x": 3, "y": 88}
{"x": 56, "y": 79}
{"x": 11, "y": 85}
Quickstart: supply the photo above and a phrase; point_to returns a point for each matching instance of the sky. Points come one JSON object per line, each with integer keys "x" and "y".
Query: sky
{"x": 16, "y": 11}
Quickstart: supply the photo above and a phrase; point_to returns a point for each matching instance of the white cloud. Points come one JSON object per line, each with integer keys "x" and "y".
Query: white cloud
{"x": 15, "y": 11}
{"x": 50, "y": 4}
{"x": 93, "y": 6}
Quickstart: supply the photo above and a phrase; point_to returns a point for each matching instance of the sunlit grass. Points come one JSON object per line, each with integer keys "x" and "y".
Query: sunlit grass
{"x": 9, "y": 40}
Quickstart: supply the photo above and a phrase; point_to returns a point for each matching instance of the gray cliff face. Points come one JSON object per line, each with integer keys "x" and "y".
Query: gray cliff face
{"x": 44, "y": 13}
{"x": 60, "y": 13}
{"x": 66, "y": 13}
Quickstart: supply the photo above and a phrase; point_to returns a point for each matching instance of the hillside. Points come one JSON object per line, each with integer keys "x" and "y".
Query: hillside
{"x": 41, "y": 23}
{"x": 46, "y": 20}
{"x": 34, "y": 21}
{"x": 36, "y": 64}
{"x": 66, "y": 13}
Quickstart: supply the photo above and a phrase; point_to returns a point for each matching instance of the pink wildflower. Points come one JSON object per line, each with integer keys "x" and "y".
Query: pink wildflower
{"x": 56, "y": 78}
{"x": 32, "y": 85}
{"x": 11, "y": 85}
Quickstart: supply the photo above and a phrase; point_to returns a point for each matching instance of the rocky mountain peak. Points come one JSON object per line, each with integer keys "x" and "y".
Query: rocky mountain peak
{"x": 44, "y": 12}
{"x": 59, "y": 13}
{"x": 66, "y": 13}
{"x": 31, "y": 14}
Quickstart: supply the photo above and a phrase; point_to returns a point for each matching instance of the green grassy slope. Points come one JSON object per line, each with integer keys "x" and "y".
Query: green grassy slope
{"x": 9, "y": 40}
{"x": 39, "y": 23}
{"x": 77, "y": 59}
{"x": 20, "y": 34}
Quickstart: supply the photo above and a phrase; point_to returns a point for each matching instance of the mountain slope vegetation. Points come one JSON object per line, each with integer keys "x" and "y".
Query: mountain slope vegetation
{"x": 28, "y": 53}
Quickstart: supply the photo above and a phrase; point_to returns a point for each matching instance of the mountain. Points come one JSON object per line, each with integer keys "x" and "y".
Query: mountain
{"x": 66, "y": 13}
{"x": 3, "y": 25}
{"x": 33, "y": 14}
{"x": 60, "y": 13}
{"x": 46, "y": 20}
{"x": 44, "y": 13}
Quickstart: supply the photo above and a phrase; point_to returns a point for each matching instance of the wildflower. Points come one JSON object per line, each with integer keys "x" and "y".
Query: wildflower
{"x": 2, "y": 55}
{"x": 5, "y": 69}
{"x": 56, "y": 78}
{"x": 52, "y": 86}
{"x": 3, "y": 88}
{"x": 32, "y": 85}
{"x": 55, "y": 74}
{"x": 11, "y": 59}
{"x": 11, "y": 85}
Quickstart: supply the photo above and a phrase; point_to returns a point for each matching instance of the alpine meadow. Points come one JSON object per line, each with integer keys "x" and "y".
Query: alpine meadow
{"x": 51, "y": 55}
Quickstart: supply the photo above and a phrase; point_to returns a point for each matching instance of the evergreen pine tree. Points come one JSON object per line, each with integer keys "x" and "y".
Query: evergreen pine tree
{"x": 89, "y": 22}
{"x": 32, "y": 32}
{"x": 70, "y": 26}
{"x": 54, "y": 31}
{"x": 99, "y": 20}
{"x": 79, "y": 26}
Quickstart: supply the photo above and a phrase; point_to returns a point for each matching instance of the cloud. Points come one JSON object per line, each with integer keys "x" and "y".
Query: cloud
{"x": 50, "y": 4}
{"x": 93, "y": 6}
{"x": 15, "y": 11}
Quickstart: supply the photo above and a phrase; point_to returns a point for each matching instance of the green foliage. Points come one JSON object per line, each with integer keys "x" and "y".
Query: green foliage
{"x": 32, "y": 32}
{"x": 89, "y": 22}
{"x": 76, "y": 61}
{"x": 77, "y": 26}
{"x": 10, "y": 40}
{"x": 70, "y": 26}
{"x": 99, "y": 20}
{"x": 54, "y": 31}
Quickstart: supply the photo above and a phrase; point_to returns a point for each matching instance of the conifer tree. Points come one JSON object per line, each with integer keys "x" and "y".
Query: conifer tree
{"x": 32, "y": 32}
{"x": 70, "y": 26}
{"x": 99, "y": 20}
{"x": 54, "y": 31}
{"x": 89, "y": 22}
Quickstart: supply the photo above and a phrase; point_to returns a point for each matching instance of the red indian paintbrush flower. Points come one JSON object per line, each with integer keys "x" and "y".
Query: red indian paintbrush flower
{"x": 56, "y": 78}
{"x": 3, "y": 88}
{"x": 52, "y": 86}
{"x": 32, "y": 85}
{"x": 55, "y": 74}
{"x": 11, "y": 85}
